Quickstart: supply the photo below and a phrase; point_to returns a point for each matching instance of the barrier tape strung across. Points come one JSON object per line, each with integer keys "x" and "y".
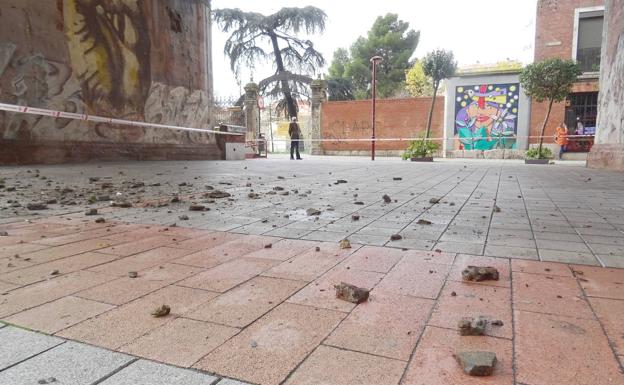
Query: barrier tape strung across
{"x": 100, "y": 119}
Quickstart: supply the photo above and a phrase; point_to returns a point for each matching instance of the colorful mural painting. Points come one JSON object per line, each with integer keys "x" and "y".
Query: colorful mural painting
{"x": 486, "y": 116}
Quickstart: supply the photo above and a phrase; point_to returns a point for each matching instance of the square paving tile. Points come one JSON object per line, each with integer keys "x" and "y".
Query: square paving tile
{"x": 501, "y": 264}
{"x": 70, "y": 363}
{"x": 53, "y": 253}
{"x": 140, "y": 261}
{"x": 610, "y": 313}
{"x": 144, "y": 372}
{"x": 19, "y": 344}
{"x": 470, "y": 300}
{"x": 434, "y": 362}
{"x": 326, "y": 365}
{"x": 273, "y": 346}
{"x": 375, "y": 259}
{"x": 207, "y": 241}
{"x": 545, "y": 268}
{"x": 138, "y": 245}
{"x": 311, "y": 264}
{"x": 554, "y": 349}
{"x": 414, "y": 278}
{"x": 58, "y": 315}
{"x": 387, "y": 326}
{"x": 283, "y": 249}
{"x": 130, "y": 321}
{"x": 600, "y": 282}
{"x": 180, "y": 342}
{"x": 230, "y": 274}
{"x": 242, "y": 305}
{"x": 549, "y": 294}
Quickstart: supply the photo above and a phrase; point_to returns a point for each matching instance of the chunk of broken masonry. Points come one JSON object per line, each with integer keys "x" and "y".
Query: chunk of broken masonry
{"x": 312, "y": 212}
{"x": 351, "y": 293}
{"x": 479, "y": 273}
{"x": 345, "y": 244}
{"x": 161, "y": 311}
{"x": 469, "y": 326}
{"x": 477, "y": 363}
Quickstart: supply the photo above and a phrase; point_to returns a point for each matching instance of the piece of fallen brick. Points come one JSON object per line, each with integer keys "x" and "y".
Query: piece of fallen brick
{"x": 480, "y": 273}
{"x": 469, "y": 326}
{"x": 345, "y": 244}
{"x": 477, "y": 363}
{"x": 351, "y": 293}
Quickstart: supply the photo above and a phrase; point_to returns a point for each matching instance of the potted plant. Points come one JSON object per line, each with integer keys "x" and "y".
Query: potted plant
{"x": 420, "y": 150}
{"x": 538, "y": 156}
{"x": 549, "y": 81}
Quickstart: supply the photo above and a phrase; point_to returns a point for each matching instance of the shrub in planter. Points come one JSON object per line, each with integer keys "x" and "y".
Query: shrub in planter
{"x": 534, "y": 153}
{"x": 420, "y": 149}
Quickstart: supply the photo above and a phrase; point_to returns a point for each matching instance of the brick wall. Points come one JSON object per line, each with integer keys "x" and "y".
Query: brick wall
{"x": 554, "y": 35}
{"x": 396, "y": 118}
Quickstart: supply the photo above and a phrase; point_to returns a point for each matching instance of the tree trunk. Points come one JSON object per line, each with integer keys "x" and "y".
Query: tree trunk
{"x": 435, "y": 91}
{"x": 541, "y": 141}
{"x": 292, "y": 107}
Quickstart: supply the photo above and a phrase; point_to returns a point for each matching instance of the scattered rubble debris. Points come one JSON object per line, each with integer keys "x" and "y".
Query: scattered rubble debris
{"x": 133, "y": 274}
{"x": 268, "y": 246}
{"x": 396, "y": 237}
{"x": 253, "y": 195}
{"x": 470, "y": 326}
{"x": 49, "y": 380}
{"x": 36, "y": 206}
{"x": 355, "y": 217}
{"x": 196, "y": 207}
{"x": 55, "y": 272}
{"x": 161, "y": 311}
{"x": 345, "y": 244}
{"x": 278, "y": 188}
{"x": 497, "y": 209}
{"x": 424, "y": 222}
{"x": 253, "y": 344}
{"x": 434, "y": 201}
{"x": 497, "y": 322}
{"x": 4, "y": 234}
{"x": 100, "y": 220}
{"x": 317, "y": 249}
{"x": 217, "y": 194}
{"x": 397, "y": 178}
{"x": 313, "y": 212}
{"x": 351, "y": 293}
{"x": 340, "y": 181}
{"x": 358, "y": 203}
{"x": 91, "y": 212}
{"x": 478, "y": 274}
{"x": 123, "y": 204}
{"x": 386, "y": 198}
{"x": 477, "y": 363}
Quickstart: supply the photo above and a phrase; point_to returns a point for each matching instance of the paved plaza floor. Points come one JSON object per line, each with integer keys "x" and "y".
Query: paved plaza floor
{"x": 249, "y": 276}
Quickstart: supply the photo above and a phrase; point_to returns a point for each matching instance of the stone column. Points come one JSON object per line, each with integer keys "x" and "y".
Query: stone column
{"x": 608, "y": 150}
{"x": 252, "y": 112}
{"x": 319, "y": 95}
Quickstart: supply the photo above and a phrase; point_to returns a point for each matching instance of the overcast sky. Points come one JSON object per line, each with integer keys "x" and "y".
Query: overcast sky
{"x": 484, "y": 31}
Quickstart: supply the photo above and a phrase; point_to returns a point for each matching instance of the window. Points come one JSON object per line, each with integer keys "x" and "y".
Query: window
{"x": 588, "y": 39}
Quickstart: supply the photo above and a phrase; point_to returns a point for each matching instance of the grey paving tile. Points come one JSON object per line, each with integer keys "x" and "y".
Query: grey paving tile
{"x": 70, "y": 364}
{"x": 18, "y": 344}
{"x": 612, "y": 260}
{"x": 511, "y": 252}
{"x": 144, "y": 372}
{"x": 461, "y": 247}
{"x": 567, "y": 257}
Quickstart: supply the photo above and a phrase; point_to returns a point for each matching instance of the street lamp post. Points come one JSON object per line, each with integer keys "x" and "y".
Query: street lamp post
{"x": 374, "y": 60}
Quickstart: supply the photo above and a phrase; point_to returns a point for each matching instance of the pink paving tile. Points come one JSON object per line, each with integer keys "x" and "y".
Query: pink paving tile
{"x": 207, "y": 241}
{"x": 58, "y": 315}
{"x": 19, "y": 249}
{"x": 81, "y": 236}
{"x": 184, "y": 232}
{"x": 208, "y": 258}
{"x": 273, "y": 346}
{"x": 135, "y": 232}
{"x": 311, "y": 264}
{"x": 140, "y": 261}
{"x": 53, "y": 253}
{"x": 124, "y": 324}
{"x": 327, "y": 365}
{"x": 434, "y": 362}
{"x": 610, "y": 313}
{"x": 126, "y": 289}
{"x": 10, "y": 264}
{"x": 321, "y": 292}
{"x": 549, "y": 294}
{"x": 431, "y": 256}
{"x": 601, "y": 282}
{"x": 470, "y": 300}
{"x": 502, "y": 264}
{"x": 246, "y": 303}
{"x": 34, "y": 295}
{"x": 415, "y": 278}
{"x": 387, "y": 326}
{"x": 224, "y": 277}
{"x": 282, "y": 250}
{"x": 63, "y": 266}
{"x": 546, "y": 268}
{"x": 376, "y": 259}
{"x": 5, "y": 287}
{"x": 139, "y": 245}
{"x": 181, "y": 342}
{"x": 553, "y": 349}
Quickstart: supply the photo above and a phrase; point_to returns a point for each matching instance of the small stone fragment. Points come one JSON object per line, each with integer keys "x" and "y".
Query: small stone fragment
{"x": 183, "y": 217}
{"x": 472, "y": 326}
{"x": 478, "y": 274}
{"x": 434, "y": 201}
{"x": 345, "y": 244}
{"x": 216, "y": 194}
{"x": 175, "y": 200}
{"x": 55, "y": 272}
{"x": 351, "y": 293}
{"x": 197, "y": 208}
{"x": 133, "y": 274}
{"x": 317, "y": 249}
{"x": 253, "y": 195}
{"x": 100, "y": 220}
{"x": 386, "y": 198}
{"x": 397, "y": 178}
{"x": 424, "y": 222}
{"x": 161, "y": 311}
{"x": 497, "y": 209}
{"x": 396, "y": 237}
{"x": 278, "y": 188}
{"x": 268, "y": 246}
{"x": 91, "y": 212}
{"x": 36, "y": 206}
{"x": 453, "y": 294}
{"x": 124, "y": 205}
{"x": 359, "y": 203}
{"x": 254, "y": 344}
{"x": 311, "y": 212}
{"x": 497, "y": 322}
{"x": 477, "y": 363}
{"x": 4, "y": 234}
{"x": 355, "y": 217}
{"x": 340, "y": 181}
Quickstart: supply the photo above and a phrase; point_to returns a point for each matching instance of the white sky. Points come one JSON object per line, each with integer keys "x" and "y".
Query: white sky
{"x": 485, "y": 31}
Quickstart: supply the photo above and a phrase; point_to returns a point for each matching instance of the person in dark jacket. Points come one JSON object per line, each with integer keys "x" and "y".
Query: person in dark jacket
{"x": 295, "y": 136}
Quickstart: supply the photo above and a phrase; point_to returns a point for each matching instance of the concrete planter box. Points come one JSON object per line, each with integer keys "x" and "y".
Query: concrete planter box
{"x": 422, "y": 159}
{"x": 537, "y": 161}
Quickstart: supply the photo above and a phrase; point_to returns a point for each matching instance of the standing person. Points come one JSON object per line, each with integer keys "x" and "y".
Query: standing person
{"x": 561, "y": 138}
{"x": 295, "y": 136}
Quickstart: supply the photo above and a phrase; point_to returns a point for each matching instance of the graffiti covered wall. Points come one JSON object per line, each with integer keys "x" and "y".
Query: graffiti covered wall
{"x": 486, "y": 112}
{"x": 129, "y": 59}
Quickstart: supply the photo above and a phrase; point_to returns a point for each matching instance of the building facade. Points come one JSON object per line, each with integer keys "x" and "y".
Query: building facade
{"x": 570, "y": 29}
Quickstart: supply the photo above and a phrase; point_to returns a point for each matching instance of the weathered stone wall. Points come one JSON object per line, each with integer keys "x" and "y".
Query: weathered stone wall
{"x": 608, "y": 152}
{"x": 137, "y": 60}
